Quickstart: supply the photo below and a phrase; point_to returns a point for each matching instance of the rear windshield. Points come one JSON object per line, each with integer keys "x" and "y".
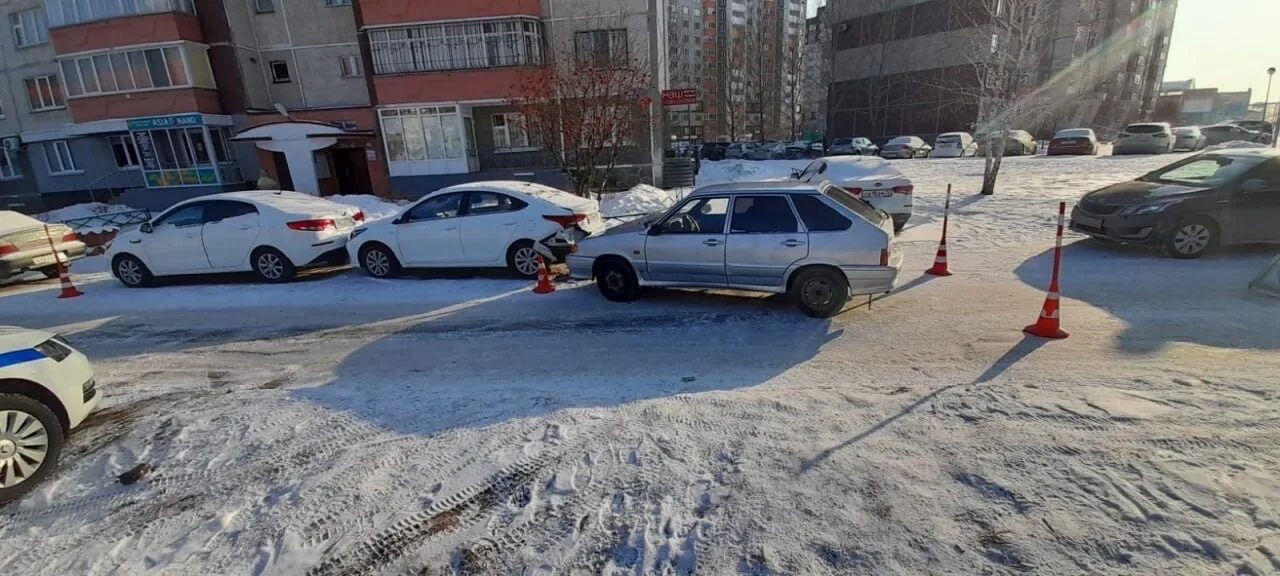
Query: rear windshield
{"x": 949, "y": 138}
{"x": 1072, "y": 134}
{"x": 842, "y": 141}
{"x": 1144, "y": 129}
{"x": 901, "y": 140}
{"x": 866, "y": 211}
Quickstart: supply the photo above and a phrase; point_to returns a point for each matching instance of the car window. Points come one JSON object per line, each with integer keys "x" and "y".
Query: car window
{"x": 492, "y": 203}
{"x": 442, "y": 206}
{"x": 223, "y": 209}
{"x": 189, "y": 215}
{"x": 901, "y": 140}
{"x": 819, "y": 217}
{"x": 1144, "y": 129}
{"x": 700, "y": 216}
{"x": 762, "y": 215}
{"x": 1269, "y": 172}
{"x": 858, "y": 205}
{"x": 1205, "y": 170}
{"x": 813, "y": 169}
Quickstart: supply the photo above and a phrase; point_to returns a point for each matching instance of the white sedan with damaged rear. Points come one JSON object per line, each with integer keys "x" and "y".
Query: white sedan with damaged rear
{"x": 493, "y": 224}
{"x": 29, "y": 244}
{"x": 870, "y": 178}
{"x": 271, "y": 233}
{"x": 815, "y": 242}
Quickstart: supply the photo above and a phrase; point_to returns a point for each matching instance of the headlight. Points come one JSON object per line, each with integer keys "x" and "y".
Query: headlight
{"x": 1140, "y": 209}
{"x": 356, "y": 232}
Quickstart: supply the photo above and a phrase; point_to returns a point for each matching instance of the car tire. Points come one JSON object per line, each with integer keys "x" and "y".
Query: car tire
{"x": 522, "y": 259}
{"x": 378, "y": 261}
{"x": 616, "y": 280}
{"x": 50, "y": 272}
{"x": 271, "y": 265}
{"x": 1191, "y": 238}
{"x": 820, "y": 292}
{"x": 17, "y": 414}
{"x": 131, "y": 272}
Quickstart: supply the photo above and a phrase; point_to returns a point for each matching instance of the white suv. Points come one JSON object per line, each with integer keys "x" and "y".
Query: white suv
{"x": 46, "y": 390}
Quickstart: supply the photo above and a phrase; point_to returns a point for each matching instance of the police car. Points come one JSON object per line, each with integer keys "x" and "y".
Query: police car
{"x": 46, "y": 390}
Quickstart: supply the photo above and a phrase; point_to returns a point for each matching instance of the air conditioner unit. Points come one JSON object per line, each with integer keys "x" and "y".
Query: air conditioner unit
{"x": 11, "y": 144}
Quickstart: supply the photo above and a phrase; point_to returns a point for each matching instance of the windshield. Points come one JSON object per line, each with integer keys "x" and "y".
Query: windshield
{"x": 859, "y": 206}
{"x": 901, "y": 140}
{"x": 1208, "y": 170}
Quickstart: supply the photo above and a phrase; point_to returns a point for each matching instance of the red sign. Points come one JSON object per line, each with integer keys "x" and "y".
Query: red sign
{"x": 680, "y": 97}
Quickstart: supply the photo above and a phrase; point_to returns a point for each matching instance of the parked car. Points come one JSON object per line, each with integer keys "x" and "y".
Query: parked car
{"x": 714, "y": 150}
{"x": 481, "y": 224}
{"x": 1211, "y": 199}
{"x": 798, "y": 150}
{"x": 768, "y": 150}
{"x": 1074, "y": 141}
{"x": 872, "y": 179}
{"x": 271, "y": 233}
{"x": 739, "y": 150}
{"x": 1255, "y": 125}
{"x": 954, "y": 145}
{"x": 24, "y": 245}
{"x": 1016, "y": 143}
{"x": 1144, "y": 138}
{"x": 906, "y": 147}
{"x": 1189, "y": 138}
{"x": 46, "y": 390}
{"x": 1220, "y": 133}
{"x": 854, "y": 146}
{"x": 815, "y": 242}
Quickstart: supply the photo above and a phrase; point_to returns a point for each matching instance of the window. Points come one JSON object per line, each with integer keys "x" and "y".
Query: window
{"x": 29, "y": 27}
{"x": 176, "y": 157}
{"x": 819, "y": 217}
{"x": 44, "y": 93}
{"x": 219, "y": 210}
{"x": 66, "y": 12}
{"x": 700, "y": 216}
{"x": 132, "y": 70}
{"x": 264, "y": 6}
{"x": 510, "y": 131}
{"x": 423, "y": 133}
{"x": 490, "y": 203}
{"x": 125, "y": 152}
{"x": 456, "y": 46}
{"x": 442, "y": 206}
{"x": 813, "y": 169}
{"x": 762, "y": 215}
{"x": 9, "y": 169}
{"x": 349, "y": 66}
{"x": 189, "y": 215}
{"x": 1204, "y": 170}
{"x": 280, "y": 71}
{"x": 58, "y": 154}
{"x": 600, "y": 48}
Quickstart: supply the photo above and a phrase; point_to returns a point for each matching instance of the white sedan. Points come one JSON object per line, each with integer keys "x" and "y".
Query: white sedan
{"x": 271, "y": 233}
{"x": 481, "y": 224}
{"x": 46, "y": 390}
{"x": 870, "y": 178}
{"x": 955, "y": 145}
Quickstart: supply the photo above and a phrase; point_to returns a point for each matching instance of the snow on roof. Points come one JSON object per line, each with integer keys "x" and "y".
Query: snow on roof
{"x": 758, "y": 186}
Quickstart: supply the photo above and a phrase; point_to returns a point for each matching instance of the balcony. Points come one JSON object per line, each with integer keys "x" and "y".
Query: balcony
{"x": 384, "y": 12}
{"x": 144, "y": 22}
{"x": 140, "y": 104}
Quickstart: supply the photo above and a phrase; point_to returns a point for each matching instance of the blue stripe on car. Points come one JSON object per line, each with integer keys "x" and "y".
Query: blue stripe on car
{"x": 19, "y": 357}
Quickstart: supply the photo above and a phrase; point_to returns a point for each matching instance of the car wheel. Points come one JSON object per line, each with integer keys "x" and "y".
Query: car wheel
{"x": 616, "y": 280}
{"x": 272, "y": 266}
{"x": 50, "y": 271}
{"x": 820, "y": 292}
{"x": 378, "y": 261}
{"x": 1191, "y": 238}
{"x": 523, "y": 259}
{"x": 30, "y": 443}
{"x": 131, "y": 272}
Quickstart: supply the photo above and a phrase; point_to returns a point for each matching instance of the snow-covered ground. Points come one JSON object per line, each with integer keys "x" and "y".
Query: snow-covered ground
{"x": 452, "y": 424}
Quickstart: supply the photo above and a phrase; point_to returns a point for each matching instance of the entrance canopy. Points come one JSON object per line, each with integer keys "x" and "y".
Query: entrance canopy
{"x": 298, "y": 140}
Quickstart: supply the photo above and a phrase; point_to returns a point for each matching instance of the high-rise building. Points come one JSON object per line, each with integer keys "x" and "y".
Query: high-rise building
{"x": 685, "y": 64}
{"x": 815, "y": 73}
{"x": 912, "y": 67}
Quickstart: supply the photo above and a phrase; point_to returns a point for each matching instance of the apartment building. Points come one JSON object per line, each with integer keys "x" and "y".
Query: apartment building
{"x": 685, "y": 21}
{"x": 751, "y": 58}
{"x": 815, "y": 74}
{"x": 907, "y": 66}
{"x": 157, "y": 101}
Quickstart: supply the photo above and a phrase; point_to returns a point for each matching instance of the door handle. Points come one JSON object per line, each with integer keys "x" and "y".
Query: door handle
{"x": 712, "y": 242}
{"x": 450, "y": 228}
{"x": 792, "y": 243}
{"x": 246, "y": 227}
{"x": 508, "y": 223}
{"x": 191, "y": 235}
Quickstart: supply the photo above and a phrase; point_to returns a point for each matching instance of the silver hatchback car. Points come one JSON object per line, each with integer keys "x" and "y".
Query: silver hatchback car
{"x": 813, "y": 241}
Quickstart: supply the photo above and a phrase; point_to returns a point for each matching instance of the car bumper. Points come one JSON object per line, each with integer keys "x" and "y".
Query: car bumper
{"x": 319, "y": 248}
{"x": 873, "y": 279}
{"x": 948, "y": 153}
{"x": 1075, "y": 150}
{"x": 72, "y": 381}
{"x": 1145, "y": 229}
{"x": 580, "y": 266}
{"x": 1154, "y": 148}
{"x": 19, "y": 262}
{"x": 895, "y": 154}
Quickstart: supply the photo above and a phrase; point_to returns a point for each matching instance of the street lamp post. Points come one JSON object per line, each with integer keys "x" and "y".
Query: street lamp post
{"x": 1271, "y": 72}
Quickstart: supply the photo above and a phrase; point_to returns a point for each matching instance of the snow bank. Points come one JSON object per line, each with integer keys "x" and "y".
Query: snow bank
{"x": 1236, "y": 144}
{"x": 86, "y": 210}
{"x": 374, "y": 207}
{"x": 642, "y": 199}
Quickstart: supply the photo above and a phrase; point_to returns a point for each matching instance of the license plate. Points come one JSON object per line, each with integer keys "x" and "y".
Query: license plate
{"x": 43, "y": 260}
{"x": 1090, "y": 222}
{"x": 877, "y": 193}
{"x": 346, "y": 222}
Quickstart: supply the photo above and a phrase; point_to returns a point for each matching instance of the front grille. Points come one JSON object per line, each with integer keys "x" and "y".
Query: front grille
{"x": 1097, "y": 207}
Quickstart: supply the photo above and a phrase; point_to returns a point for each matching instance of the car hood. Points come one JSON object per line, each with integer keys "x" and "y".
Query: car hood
{"x": 630, "y": 227}
{"x": 1139, "y": 191}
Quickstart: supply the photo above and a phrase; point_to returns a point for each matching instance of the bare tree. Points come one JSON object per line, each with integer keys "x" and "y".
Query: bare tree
{"x": 587, "y": 105}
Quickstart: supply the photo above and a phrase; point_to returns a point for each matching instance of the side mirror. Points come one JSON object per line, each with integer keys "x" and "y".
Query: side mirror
{"x": 795, "y": 174}
{"x": 654, "y": 230}
{"x": 1253, "y": 185}
{"x": 146, "y": 228}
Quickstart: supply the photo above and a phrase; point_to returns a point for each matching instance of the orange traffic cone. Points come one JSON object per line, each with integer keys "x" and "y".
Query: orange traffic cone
{"x": 1049, "y": 325}
{"x": 68, "y": 289}
{"x": 544, "y": 285}
{"x": 940, "y": 261}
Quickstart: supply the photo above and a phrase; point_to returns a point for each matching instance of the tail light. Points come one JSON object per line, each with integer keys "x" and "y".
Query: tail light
{"x": 7, "y": 249}
{"x": 884, "y": 257}
{"x": 565, "y": 220}
{"x": 312, "y": 225}
{"x": 854, "y": 191}
{"x": 358, "y": 216}
{"x": 70, "y": 237}
{"x": 908, "y": 189}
